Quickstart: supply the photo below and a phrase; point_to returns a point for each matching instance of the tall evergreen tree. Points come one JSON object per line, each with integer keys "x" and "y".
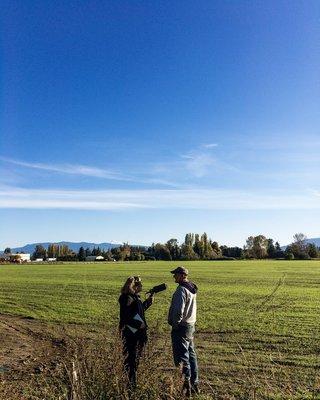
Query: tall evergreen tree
{"x": 81, "y": 254}
{"x": 271, "y": 250}
{"x": 312, "y": 250}
{"x": 279, "y": 252}
{"x": 198, "y": 246}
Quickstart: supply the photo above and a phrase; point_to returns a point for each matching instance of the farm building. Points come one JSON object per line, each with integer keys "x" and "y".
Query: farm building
{"x": 24, "y": 257}
{"x": 94, "y": 258}
{"x": 16, "y": 257}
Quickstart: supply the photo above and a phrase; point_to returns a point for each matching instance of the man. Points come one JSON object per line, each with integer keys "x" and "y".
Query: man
{"x": 182, "y": 318}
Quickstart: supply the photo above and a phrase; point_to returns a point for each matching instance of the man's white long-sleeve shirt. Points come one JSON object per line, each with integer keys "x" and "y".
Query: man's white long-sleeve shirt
{"x": 183, "y": 308}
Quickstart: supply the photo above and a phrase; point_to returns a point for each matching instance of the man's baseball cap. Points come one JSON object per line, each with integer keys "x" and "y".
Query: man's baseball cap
{"x": 180, "y": 270}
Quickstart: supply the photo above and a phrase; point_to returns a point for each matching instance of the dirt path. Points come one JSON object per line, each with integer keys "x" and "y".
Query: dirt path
{"x": 28, "y": 347}
{"x": 24, "y": 343}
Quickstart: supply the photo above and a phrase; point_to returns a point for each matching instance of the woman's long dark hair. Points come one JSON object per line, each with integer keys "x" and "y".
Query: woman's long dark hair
{"x": 128, "y": 287}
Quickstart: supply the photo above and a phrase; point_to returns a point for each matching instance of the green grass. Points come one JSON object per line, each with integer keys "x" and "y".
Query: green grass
{"x": 256, "y": 319}
{"x": 232, "y": 296}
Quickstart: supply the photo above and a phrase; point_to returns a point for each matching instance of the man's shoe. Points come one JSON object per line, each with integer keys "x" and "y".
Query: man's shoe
{"x": 186, "y": 388}
{"x": 195, "y": 389}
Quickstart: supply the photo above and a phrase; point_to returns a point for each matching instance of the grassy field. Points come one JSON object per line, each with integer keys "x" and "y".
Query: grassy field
{"x": 257, "y": 320}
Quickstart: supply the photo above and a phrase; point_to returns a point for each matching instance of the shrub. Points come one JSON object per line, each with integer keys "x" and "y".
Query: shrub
{"x": 93, "y": 370}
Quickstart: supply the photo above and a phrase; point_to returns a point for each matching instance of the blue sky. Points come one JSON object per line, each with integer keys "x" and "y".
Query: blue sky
{"x": 139, "y": 121}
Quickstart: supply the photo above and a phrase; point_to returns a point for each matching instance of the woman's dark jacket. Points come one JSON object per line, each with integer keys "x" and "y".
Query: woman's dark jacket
{"x": 130, "y": 306}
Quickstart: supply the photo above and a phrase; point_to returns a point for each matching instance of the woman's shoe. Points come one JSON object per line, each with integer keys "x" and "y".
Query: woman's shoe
{"x": 186, "y": 388}
{"x": 195, "y": 389}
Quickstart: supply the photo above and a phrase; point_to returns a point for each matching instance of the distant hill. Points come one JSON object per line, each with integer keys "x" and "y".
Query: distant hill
{"x": 316, "y": 241}
{"x": 29, "y": 248}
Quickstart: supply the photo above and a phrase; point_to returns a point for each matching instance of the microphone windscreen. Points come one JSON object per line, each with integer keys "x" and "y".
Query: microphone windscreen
{"x": 159, "y": 288}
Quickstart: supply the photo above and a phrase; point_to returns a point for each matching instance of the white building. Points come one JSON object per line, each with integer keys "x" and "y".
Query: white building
{"x": 94, "y": 258}
{"x": 24, "y": 257}
{"x": 16, "y": 257}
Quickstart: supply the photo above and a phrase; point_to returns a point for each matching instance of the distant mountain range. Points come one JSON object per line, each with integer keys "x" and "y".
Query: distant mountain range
{"x": 316, "y": 241}
{"x": 29, "y": 248}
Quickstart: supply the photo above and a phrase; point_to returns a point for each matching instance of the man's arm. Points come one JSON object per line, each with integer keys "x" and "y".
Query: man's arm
{"x": 177, "y": 307}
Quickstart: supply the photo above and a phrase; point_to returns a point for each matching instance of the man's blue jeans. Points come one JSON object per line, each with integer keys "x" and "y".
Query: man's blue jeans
{"x": 184, "y": 352}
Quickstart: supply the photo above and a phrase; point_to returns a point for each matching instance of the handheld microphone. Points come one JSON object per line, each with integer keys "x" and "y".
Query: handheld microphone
{"x": 158, "y": 288}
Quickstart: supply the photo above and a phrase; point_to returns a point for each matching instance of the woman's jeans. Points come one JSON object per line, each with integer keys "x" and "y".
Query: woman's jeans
{"x": 184, "y": 352}
{"x": 133, "y": 345}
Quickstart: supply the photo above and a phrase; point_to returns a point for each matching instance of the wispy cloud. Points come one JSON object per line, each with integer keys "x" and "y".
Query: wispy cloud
{"x": 155, "y": 199}
{"x": 316, "y": 193}
{"x": 84, "y": 170}
{"x": 68, "y": 169}
{"x": 210, "y": 145}
{"x": 198, "y": 164}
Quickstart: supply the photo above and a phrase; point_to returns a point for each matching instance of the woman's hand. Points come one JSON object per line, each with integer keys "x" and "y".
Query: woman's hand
{"x": 151, "y": 298}
{"x": 148, "y": 301}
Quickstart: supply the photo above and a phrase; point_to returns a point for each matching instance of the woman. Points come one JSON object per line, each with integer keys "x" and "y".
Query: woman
{"x": 133, "y": 326}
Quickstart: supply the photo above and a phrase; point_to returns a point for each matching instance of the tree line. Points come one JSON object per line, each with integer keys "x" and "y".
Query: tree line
{"x": 194, "y": 247}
